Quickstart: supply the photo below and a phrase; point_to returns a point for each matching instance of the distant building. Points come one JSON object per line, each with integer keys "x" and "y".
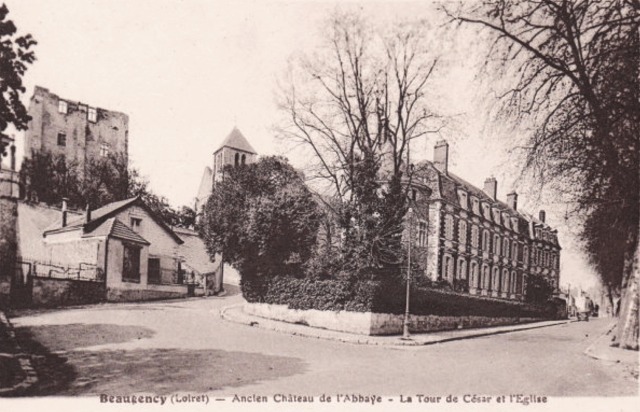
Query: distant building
{"x": 79, "y": 131}
{"x": 476, "y": 242}
{"x": 235, "y": 150}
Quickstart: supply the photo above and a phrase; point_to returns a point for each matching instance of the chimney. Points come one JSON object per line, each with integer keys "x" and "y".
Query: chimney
{"x": 441, "y": 156}
{"x": 64, "y": 212}
{"x": 87, "y": 214}
{"x": 512, "y": 200}
{"x": 542, "y": 215}
{"x": 491, "y": 187}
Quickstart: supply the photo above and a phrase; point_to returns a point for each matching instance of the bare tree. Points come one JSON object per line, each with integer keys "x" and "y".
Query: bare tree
{"x": 575, "y": 66}
{"x": 355, "y": 105}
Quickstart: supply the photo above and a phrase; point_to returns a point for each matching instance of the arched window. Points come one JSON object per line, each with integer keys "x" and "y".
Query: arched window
{"x": 486, "y": 240}
{"x": 462, "y": 269}
{"x": 462, "y": 232}
{"x": 447, "y": 268}
{"x": 474, "y": 274}
{"x": 505, "y": 248}
{"x": 486, "y": 277}
{"x": 496, "y": 245}
{"x": 514, "y": 250}
{"x": 474, "y": 236}
{"x": 505, "y": 280}
{"x": 513, "y": 282}
{"x": 495, "y": 279}
{"x": 244, "y": 158}
{"x": 448, "y": 227}
{"x": 237, "y": 159}
{"x": 525, "y": 255}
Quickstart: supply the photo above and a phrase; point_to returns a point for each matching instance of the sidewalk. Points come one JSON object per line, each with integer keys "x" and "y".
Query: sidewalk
{"x": 237, "y": 315}
{"x": 14, "y": 358}
{"x": 601, "y": 349}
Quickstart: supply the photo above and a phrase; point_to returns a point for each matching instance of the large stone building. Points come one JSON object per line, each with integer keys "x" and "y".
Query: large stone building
{"x": 78, "y": 131}
{"x": 478, "y": 243}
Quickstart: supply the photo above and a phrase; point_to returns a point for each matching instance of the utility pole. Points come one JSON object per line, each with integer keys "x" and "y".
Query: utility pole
{"x": 405, "y": 326}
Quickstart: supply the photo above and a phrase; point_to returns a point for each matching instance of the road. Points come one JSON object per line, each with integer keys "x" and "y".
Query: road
{"x": 184, "y": 346}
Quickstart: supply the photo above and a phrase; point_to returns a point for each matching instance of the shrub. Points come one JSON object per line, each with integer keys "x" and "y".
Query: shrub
{"x": 379, "y": 297}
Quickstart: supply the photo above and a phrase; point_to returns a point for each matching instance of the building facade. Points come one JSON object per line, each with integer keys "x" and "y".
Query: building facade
{"x": 478, "y": 243}
{"x": 77, "y": 130}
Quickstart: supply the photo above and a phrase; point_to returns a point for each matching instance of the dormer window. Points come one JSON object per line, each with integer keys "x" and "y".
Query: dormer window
{"x": 462, "y": 198}
{"x": 514, "y": 224}
{"x": 486, "y": 209}
{"x": 92, "y": 114}
{"x": 506, "y": 221}
{"x": 475, "y": 204}
{"x": 136, "y": 223}
{"x": 496, "y": 216}
{"x": 62, "y": 107}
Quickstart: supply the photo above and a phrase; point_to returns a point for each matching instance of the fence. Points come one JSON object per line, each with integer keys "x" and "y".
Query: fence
{"x": 39, "y": 269}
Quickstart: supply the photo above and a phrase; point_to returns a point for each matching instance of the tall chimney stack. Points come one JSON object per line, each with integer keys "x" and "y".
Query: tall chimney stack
{"x": 542, "y": 215}
{"x": 512, "y": 200}
{"x": 441, "y": 156}
{"x": 87, "y": 214}
{"x": 491, "y": 187}
{"x": 64, "y": 212}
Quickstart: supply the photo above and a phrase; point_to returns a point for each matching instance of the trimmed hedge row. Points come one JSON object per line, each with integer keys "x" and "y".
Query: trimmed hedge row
{"x": 380, "y": 297}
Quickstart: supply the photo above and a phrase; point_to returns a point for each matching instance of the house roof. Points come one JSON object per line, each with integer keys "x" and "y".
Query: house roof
{"x": 236, "y": 140}
{"x": 195, "y": 253}
{"x": 113, "y": 227}
{"x": 106, "y": 212}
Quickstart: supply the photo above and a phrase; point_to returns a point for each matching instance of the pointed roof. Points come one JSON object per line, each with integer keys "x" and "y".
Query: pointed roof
{"x": 236, "y": 140}
{"x": 100, "y": 215}
{"x": 115, "y": 228}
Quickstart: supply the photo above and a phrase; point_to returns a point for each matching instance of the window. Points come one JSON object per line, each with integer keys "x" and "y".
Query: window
{"x": 495, "y": 279}
{"x": 92, "y": 114}
{"x": 505, "y": 248}
{"x": 154, "y": 271}
{"x": 514, "y": 224}
{"x": 525, "y": 255}
{"x": 62, "y": 107}
{"x": 474, "y": 274}
{"x": 486, "y": 211}
{"x": 514, "y": 250}
{"x": 131, "y": 263}
{"x": 462, "y": 269}
{"x": 422, "y": 234}
{"x": 462, "y": 198}
{"x": 104, "y": 149}
{"x": 237, "y": 159}
{"x": 486, "y": 240}
{"x": 496, "y": 245}
{"x": 505, "y": 280}
{"x": 448, "y": 227}
{"x": 448, "y": 268}
{"x": 180, "y": 279}
{"x": 244, "y": 158}
{"x": 474, "y": 236}
{"x": 475, "y": 204}
{"x": 462, "y": 232}
{"x": 62, "y": 139}
{"x": 136, "y": 223}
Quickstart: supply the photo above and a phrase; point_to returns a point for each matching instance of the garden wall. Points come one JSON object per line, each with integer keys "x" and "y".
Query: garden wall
{"x": 369, "y": 323}
{"x": 52, "y": 292}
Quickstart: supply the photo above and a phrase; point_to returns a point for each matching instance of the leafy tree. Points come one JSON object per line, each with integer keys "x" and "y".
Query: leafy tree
{"x": 48, "y": 178}
{"x": 575, "y": 67}
{"x": 262, "y": 219}
{"x": 538, "y": 289}
{"x": 354, "y": 106}
{"x": 15, "y": 56}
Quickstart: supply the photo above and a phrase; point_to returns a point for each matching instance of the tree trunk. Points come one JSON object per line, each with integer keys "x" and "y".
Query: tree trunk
{"x": 627, "y": 328}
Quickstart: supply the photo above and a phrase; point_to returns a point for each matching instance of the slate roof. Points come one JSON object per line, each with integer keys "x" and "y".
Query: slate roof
{"x": 115, "y": 228}
{"x": 194, "y": 251}
{"x": 99, "y": 216}
{"x": 236, "y": 140}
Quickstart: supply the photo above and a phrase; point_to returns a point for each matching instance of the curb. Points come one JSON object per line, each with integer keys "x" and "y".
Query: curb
{"x": 593, "y": 353}
{"x": 318, "y": 333}
{"x": 30, "y": 375}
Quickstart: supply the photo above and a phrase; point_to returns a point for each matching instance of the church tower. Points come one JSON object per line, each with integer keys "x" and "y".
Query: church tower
{"x": 235, "y": 150}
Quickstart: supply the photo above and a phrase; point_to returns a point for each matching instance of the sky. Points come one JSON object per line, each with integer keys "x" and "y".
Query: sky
{"x": 187, "y": 71}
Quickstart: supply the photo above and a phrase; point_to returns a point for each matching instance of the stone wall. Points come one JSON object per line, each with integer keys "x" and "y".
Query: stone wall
{"x": 151, "y": 292}
{"x": 368, "y": 323}
{"x": 50, "y": 292}
{"x": 8, "y": 243}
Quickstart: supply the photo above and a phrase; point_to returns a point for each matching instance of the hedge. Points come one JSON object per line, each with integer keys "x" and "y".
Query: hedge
{"x": 380, "y": 297}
